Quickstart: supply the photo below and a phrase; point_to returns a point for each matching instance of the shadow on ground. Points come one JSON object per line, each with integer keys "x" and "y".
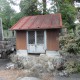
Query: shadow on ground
{"x": 3, "y": 63}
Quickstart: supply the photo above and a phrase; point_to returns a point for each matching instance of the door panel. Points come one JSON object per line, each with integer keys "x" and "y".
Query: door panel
{"x": 31, "y": 37}
{"x": 40, "y": 48}
{"x": 36, "y": 42}
{"x": 31, "y": 41}
{"x": 40, "y": 37}
{"x": 31, "y": 48}
{"x": 40, "y": 42}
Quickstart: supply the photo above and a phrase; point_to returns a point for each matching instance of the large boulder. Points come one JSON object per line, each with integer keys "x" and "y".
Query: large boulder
{"x": 27, "y": 62}
{"x": 28, "y": 78}
{"x": 1, "y": 78}
{"x": 13, "y": 58}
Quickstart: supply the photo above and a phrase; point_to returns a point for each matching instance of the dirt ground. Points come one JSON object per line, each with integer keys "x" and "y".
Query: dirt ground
{"x": 14, "y": 74}
{"x": 11, "y": 74}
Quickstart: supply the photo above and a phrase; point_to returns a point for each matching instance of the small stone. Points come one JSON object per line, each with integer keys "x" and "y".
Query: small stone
{"x": 64, "y": 73}
{"x": 10, "y": 66}
{"x": 50, "y": 66}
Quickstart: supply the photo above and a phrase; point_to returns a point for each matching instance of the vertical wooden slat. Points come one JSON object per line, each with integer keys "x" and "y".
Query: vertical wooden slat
{"x": 53, "y": 40}
{"x": 21, "y": 40}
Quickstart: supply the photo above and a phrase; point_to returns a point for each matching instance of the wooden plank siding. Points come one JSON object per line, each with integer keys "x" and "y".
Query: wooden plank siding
{"x": 52, "y": 40}
{"x": 21, "y": 40}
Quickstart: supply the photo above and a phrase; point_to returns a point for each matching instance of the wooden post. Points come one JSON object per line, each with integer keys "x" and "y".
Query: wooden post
{"x": 1, "y": 30}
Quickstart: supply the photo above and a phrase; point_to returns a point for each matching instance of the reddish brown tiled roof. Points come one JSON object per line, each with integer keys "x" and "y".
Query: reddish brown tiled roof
{"x": 39, "y": 22}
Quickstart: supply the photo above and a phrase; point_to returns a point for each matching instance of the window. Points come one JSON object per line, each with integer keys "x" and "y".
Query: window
{"x": 40, "y": 37}
{"x": 31, "y": 37}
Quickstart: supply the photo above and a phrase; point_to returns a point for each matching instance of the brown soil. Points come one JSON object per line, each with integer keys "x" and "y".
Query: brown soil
{"x": 14, "y": 74}
{"x": 11, "y": 74}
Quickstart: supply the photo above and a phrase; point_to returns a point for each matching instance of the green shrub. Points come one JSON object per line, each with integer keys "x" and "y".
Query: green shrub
{"x": 78, "y": 67}
{"x": 70, "y": 44}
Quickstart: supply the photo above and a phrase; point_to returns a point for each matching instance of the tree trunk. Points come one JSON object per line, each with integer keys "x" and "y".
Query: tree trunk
{"x": 44, "y": 6}
{"x": 74, "y": 30}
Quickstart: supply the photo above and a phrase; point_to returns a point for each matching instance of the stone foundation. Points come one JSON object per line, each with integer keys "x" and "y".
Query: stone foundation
{"x": 22, "y": 53}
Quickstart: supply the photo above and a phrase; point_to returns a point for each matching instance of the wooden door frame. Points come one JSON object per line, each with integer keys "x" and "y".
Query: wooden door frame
{"x": 45, "y": 38}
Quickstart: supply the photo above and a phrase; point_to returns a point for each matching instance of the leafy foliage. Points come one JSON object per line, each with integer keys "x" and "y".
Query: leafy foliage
{"x": 29, "y": 7}
{"x": 16, "y": 17}
{"x": 34, "y": 7}
{"x": 72, "y": 66}
{"x": 70, "y": 44}
{"x": 68, "y": 11}
{"x": 3, "y": 4}
{"x": 6, "y": 13}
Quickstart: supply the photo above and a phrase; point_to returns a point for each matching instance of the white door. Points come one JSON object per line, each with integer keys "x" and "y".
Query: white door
{"x": 31, "y": 42}
{"x": 40, "y": 45}
{"x": 36, "y": 42}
